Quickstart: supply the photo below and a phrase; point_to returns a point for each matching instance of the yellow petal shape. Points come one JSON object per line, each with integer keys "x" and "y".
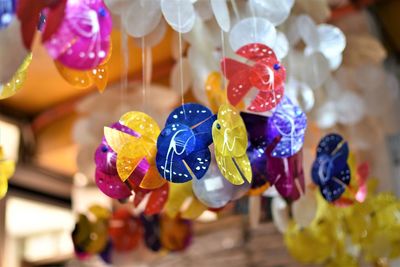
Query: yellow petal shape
{"x": 128, "y": 158}
{"x": 99, "y": 77}
{"x": 230, "y": 142}
{"x": 76, "y": 78}
{"x": 16, "y": 82}
{"x": 142, "y": 123}
{"x": 85, "y": 79}
{"x": 117, "y": 139}
{"x": 152, "y": 179}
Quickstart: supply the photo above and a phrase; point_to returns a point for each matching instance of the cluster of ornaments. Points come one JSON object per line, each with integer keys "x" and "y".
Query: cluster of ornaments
{"x": 76, "y": 34}
{"x": 212, "y": 158}
{"x": 370, "y": 226}
{"x": 101, "y": 232}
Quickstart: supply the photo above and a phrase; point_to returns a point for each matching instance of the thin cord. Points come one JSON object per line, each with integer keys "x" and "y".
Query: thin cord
{"x": 144, "y": 84}
{"x": 235, "y": 9}
{"x": 253, "y": 13}
{"x": 125, "y": 67}
{"x": 224, "y": 66}
{"x": 181, "y": 64}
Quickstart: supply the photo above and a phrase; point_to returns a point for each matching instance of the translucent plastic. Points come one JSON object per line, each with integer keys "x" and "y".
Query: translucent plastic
{"x": 230, "y": 142}
{"x": 252, "y": 30}
{"x": 179, "y": 14}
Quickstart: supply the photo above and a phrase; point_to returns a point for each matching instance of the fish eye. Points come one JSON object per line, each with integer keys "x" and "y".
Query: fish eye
{"x": 218, "y": 126}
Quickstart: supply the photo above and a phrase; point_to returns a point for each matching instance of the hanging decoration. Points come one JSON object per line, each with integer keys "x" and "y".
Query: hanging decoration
{"x": 102, "y": 232}
{"x": 83, "y": 39}
{"x": 369, "y": 226}
{"x": 135, "y": 145}
{"x": 330, "y": 170}
{"x": 257, "y": 127}
{"x": 265, "y": 74}
{"x": 202, "y": 161}
{"x": 86, "y": 229}
{"x": 182, "y": 147}
{"x": 230, "y": 142}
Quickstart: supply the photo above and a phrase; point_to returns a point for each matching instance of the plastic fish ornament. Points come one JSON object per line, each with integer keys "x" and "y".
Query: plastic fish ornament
{"x": 182, "y": 147}
{"x": 7, "y": 168}
{"x": 12, "y": 87}
{"x": 106, "y": 175}
{"x": 262, "y": 72}
{"x": 135, "y": 145}
{"x": 289, "y": 122}
{"x": 257, "y": 127}
{"x": 83, "y": 39}
{"x": 230, "y": 142}
{"x": 330, "y": 170}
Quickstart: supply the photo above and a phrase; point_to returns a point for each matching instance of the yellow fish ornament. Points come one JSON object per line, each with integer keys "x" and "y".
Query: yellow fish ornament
{"x": 230, "y": 142}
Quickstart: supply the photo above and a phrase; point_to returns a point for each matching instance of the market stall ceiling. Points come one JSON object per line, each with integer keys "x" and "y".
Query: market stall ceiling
{"x": 45, "y": 88}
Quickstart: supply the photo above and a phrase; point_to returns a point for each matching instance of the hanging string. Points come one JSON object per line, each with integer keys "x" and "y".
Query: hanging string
{"x": 253, "y": 14}
{"x": 144, "y": 71}
{"x": 125, "y": 67}
{"x": 224, "y": 66}
{"x": 235, "y": 9}
{"x": 181, "y": 64}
